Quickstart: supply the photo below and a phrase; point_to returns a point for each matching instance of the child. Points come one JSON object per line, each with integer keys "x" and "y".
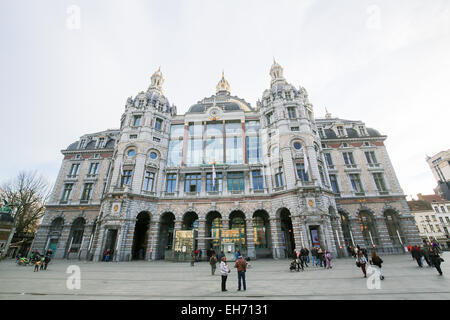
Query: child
{"x": 36, "y": 265}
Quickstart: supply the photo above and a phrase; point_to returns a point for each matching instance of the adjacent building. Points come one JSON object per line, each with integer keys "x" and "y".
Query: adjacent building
{"x": 226, "y": 175}
{"x": 440, "y": 166}
{"x": 432, "y": 216}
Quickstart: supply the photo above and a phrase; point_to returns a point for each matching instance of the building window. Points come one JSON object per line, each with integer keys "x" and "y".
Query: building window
{"x": 66, "y": 192}
{"x": 153, "y": 155}
{"x": 260, "y": 232}
{"x": 216, "y": 185}
{"x": 87, "y": 192}
{"x": 292, "y": 112}
{"x": 133, "y": 136}
{"x": 302, "y": 175}
{"x": 269, "y": 118}
{"x": 297, "y": 145}
{"x": 436, "y": 209}
{"x": 126, "y": 177}
{"x": 149, "y": 179}
{"x": 340, "y": 130}
{"x": 367, "y": 144}
{"x": 329, "y": 160}
{"x": 447, "y": 219}
{"x": 295, "y": 129}
{"x": 334, "y": 183}
{"x": 171, "y": 182}
{"x": 131, "y": 153}
{"x": 233, "y": 128}
{"x": 252, "y": 126}
{"x": 322, "y": 176}
{"x": 136, "y": 121}
{"x": 74, "y": 170}
{"x": 371, "y": 159}
{"x": 321, "y": 133}
{"x": 82, "y": 143}
{"x": 156, "y": 139}
{"x": 193, "y": 182}
{"x": 175, "y": 153}
{"x": 158, "y": 124}
{"x": 214, "y": 150}
{"x": 93, "y": 169}
{"x": 279, "y": 178}
{"x": 235, "y": 181}
{"x": 257, "y": 180}
{"x": 356, "y": 184}
{"x": 194, "y": 152}
{"x": 348, "y": 159}
{"x": 379, "y": 182}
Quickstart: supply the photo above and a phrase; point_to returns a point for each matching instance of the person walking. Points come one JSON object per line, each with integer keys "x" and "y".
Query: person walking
{"x": 436, "y": 259}
{"x": 298, "y": 260}
{"x": 426, "y": 254}
{"x": 314, "y": 256}
{"x": 361, "y": 262}
{"x": 212, "y": 262}
{"x": 417, "y": 255}
{"x": 328, "y": 259}
{"x": 193, "y": 258}
{"x": 303, "y": 256}
{"x": 320, "y": 257}
{"x": 241, "y": 266}
{"x": 377, "y": 261}
{"x": 200, "y": 252}
{"x": 224, "y": 271}
{"x": 307, "y": 255}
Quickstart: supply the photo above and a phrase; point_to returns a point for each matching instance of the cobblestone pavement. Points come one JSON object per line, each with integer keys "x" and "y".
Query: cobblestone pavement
{"x": 266, "y": 279}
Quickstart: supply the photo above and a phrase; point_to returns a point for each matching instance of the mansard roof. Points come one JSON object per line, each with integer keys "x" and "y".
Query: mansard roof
{"x": 226, "y": 102}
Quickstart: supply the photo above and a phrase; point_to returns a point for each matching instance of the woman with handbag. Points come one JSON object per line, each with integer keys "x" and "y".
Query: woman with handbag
{"x": 361, "y": 262}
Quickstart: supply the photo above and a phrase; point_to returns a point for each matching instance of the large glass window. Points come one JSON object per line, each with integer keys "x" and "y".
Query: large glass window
{"x": 175, "y": 153}
{"x": 253, "y": 145}
{"x": 235, "y": 181}
{"x": 370, "y": 157}
{"x": 158, "y": 124}
{"x": 252, "y": 126}
{"x": 257, "y": 180}
{"x": 171, "y": 182}
{"x": 193, "y": 182}
{"x": 137, "y": 120}
{"x": 329, "y": 160}
{"x": 233, "y": 128}
{"x": 214, "y": 150}
{"x": 93, "y": 169}
{"x": 74, "y": 169}
{"x": 194, "y": 153}
{"x": 176, "y": 131}
{"x": 195, "y": 129}
{"x": 348, "y": 158}
{"x": 234, "y": 150}
{"x": 214, "y": 129}
{"x": 292, "y": 113}
{"x": 215, "y": 185}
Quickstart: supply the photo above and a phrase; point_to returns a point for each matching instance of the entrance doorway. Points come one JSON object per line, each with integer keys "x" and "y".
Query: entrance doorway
{"x": 140, "y": 236}
{"x": 110, "y": 243}
{"x": 315, "y": 237}
{"x": 287, "y": 232}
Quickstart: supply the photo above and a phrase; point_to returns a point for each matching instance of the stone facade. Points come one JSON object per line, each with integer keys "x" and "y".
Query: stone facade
{"x": 222, "y": 169}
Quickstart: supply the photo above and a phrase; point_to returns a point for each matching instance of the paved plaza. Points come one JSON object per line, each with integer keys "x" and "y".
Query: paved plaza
{"x": 266, "y": 279}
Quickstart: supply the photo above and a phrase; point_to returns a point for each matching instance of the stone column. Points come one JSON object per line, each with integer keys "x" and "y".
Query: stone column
{"x": 275, "y": 229}
{"x": 201, "y": 244}
{"x": 138, "y": 173}
{"x": 297, "y": 229}
{"x": 82, "y": 254}
{"x": 154, "y": 241}
{"x": 289, "y": 170}
{"x": 128, "y": 240}
{"x": 251, "y": 251}
{"x": 384, "y": 239}
{"x": 63, "y": 245}
{"x": 98, "y": 243}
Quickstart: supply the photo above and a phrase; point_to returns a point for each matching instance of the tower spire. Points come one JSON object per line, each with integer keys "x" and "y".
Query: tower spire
{"x": 223, "y": 87}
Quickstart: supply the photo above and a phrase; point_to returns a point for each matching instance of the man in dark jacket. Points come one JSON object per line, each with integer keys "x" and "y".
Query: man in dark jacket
{"x": 241, "y": 266}
{"x": 436, "y": 260}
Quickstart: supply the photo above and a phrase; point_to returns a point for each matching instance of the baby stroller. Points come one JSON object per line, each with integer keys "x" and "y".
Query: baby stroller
{"x": 293, "y": 266}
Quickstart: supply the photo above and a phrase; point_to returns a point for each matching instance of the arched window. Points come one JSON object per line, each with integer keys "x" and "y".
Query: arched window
{"x": 393, "y": 227}
{"x": 368, "y": 228}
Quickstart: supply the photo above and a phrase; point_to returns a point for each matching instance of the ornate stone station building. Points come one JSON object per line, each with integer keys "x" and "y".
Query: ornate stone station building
{"x": 226, "y": 175}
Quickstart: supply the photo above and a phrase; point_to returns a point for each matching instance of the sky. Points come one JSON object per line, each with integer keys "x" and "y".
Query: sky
{"x": 67, "y": 68}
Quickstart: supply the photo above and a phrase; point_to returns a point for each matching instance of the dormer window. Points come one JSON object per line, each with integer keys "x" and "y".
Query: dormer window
{"x": 340, "y": 130}
{"x": 141, "y": 103}
{"x": 82, "y": 143}
{"x": 362, "y": 131}
{"x": 101, "y": 142}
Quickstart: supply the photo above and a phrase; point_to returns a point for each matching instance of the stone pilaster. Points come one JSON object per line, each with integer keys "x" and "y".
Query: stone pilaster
{"x": 251, "y": 252}
{"x": 154, "y": 245}
{"x": 201, "y": 244}
{"x": 277, "y": 244}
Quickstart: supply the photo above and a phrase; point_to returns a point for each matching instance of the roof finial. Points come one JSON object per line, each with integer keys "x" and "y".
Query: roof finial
{"x": 223, "y": 86}
{"x": 327, "y": 114}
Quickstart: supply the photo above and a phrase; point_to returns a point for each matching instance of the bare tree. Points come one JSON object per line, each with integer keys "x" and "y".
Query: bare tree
{"x": 27, "y": 195}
